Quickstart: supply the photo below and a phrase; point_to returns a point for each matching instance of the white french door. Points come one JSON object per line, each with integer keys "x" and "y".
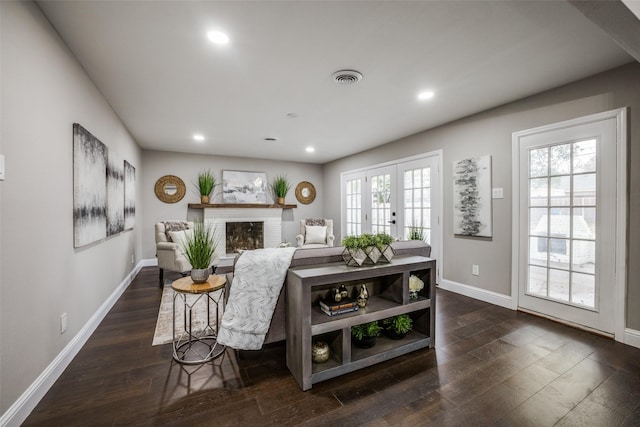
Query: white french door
{"x": 565, "y": 199}
{"x": 419, "y": 190}
{"x": 394, "y": 199}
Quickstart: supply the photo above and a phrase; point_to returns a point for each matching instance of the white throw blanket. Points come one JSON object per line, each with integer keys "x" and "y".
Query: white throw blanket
{"x": 257, "y": 280}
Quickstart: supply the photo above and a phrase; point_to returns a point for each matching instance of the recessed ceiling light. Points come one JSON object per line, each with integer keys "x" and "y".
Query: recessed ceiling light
{"x": 310, "y": 149}
{"x": 198, "y": 137}
{"x": 422, "y": 96}
{"x": 218, "y": 37}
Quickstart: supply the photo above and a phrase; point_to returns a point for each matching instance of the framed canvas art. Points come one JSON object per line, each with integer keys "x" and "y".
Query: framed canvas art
{"x": 472, "y": 197}
{"x": 244, "y": 187}
{"x": 129, "y": 196}
{"x": 89, "y": 188}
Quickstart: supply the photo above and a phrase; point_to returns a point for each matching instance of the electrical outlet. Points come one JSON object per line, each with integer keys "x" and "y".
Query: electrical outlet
{"x": 475, "y": 270}
{"x": 63, "y": 323}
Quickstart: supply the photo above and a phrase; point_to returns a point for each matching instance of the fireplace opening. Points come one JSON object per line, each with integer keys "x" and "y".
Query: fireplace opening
{"x": 244, "y": 236}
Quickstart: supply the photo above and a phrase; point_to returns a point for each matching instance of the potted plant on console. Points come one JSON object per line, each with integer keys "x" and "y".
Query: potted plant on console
{"x": 367, "y": 249}
{"x": 199, "y": 247}
{"x": 206, "y": 183}
{"x": 280, "y": 187}
{"x": 397, "y": 327}
{"x": 364, "y": 336}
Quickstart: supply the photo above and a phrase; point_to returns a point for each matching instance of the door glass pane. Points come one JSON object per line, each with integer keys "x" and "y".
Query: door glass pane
{"x": 583, "y": 289}
{"x": 380, "y": 203}
{"x": 560, "y": 190}
{"x": 559, "y": 284}
{"x": 583, "y": 258}
{"x": 417, "y": 193}
{"x": 560, "y": 162}
{"x": 353, "y": 207}
{"x": 584, "y": 223}
{"x": 584, "y": 189}
{"x": 584, "y": 156}
{"x": 559, "y": 253}
{"x": 538, "y": 250}
{"x": 537, "y": 283}
{"x": 539, "y": 192}
{"x": 539, "y": 162}
{"x": 538, "y": 218}
{"x": 559, "y": 222}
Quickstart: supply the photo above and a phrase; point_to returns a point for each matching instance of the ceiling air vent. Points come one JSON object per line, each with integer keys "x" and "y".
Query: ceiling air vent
{"x": 346, "y": 77}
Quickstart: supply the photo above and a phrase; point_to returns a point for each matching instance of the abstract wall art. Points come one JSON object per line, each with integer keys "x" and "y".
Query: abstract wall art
{"x": 129, "y": 196}
{"x": 89, "y": 188}
{"x": 115, "y": 194}
{"x": 472, "y": 197}
{"x": 244, "y": 187}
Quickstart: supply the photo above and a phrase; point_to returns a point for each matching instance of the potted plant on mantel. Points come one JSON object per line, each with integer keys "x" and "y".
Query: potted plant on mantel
{"x": 280, "y": 187}
{"x": 199, "y": 248}
{"x": 367, "y": 249}
{"x": 206, "y": 183}
{"x": 364, "y": 336}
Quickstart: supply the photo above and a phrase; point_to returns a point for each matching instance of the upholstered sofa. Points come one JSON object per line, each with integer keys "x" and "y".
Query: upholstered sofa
{"x": 310, "y": 257}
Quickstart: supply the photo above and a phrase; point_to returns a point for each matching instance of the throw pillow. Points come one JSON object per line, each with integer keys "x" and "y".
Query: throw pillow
{"x": 174, "y": 226}
{"x": 180, "y": 237}
{"x": 315, "y": 221}
{"x": 315, "y": 234}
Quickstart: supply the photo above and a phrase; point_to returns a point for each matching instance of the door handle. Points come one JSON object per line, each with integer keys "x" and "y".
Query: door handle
{"x": 392, "y": 221}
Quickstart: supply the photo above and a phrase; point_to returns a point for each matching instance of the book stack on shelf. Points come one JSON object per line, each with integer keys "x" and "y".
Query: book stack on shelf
{"x": 332, "y": 308}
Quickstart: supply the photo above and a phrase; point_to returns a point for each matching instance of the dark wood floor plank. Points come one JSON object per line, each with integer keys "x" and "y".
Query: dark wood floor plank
{"x": 492, "y": 366}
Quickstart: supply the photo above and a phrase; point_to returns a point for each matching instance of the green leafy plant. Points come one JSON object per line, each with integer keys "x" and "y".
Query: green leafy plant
{"x": 400, "y": 324}
{"x": 371, "y": 329}
{"x": 206, "y": 182}
{"x": 280, "y": 186}
{"x": 200, "y": 246}
{"x": 415, "y": 233}
{"x": 360, "y": 242}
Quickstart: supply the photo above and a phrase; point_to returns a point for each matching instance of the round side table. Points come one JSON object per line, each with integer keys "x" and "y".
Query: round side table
{"x": 194, "y": 341}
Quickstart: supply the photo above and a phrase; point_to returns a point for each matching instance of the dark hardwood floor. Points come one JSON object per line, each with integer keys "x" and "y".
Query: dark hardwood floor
{"x": 491, "y": 366}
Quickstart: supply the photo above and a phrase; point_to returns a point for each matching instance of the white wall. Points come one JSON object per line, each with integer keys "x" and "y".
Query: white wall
{"x": 44, "y": 91}
{"x": 186, "y": 166}
{"x": 490, "y": 133}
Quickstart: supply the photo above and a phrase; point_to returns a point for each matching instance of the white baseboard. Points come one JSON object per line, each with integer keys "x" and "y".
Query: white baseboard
{"x": 149, "y": 262}
{"x": 477, "y": 293}
{"x": 23, "y": 406}
{"x": 632, "y": 337}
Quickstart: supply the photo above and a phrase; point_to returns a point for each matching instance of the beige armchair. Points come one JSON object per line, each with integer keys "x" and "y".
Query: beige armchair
{"x": 168, "y": 247}
{"x": 315, "y": 233}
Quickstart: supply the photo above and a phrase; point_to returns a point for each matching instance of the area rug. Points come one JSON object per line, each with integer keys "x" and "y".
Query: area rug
{"x": 164, "y": 324}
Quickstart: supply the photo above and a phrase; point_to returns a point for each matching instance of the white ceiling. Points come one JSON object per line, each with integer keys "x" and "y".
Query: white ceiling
{"x": 166, "y": 81}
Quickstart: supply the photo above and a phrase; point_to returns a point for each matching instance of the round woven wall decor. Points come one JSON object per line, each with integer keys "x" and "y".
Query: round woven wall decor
{"x": 305, "y": 192}
{"x": 170, "y": 189}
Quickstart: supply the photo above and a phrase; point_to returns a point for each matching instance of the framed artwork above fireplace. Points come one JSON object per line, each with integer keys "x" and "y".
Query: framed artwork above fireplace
{"x": 244, "y": 187}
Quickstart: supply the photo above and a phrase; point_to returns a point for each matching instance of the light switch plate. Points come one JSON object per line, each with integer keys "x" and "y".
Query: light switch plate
{"x": 498, "y": 193}
{"x": 1, "y": 167}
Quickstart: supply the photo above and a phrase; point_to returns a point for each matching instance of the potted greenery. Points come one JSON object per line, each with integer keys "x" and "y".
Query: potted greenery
{"x": 199, "y": 247}
{"x": 367, "y": 249}
{"x": 280, "y": 187}
{"x": 415, "y": 233}
{"x": 397, "y": 327}
{"x": 364, "y": 336}
{"x": 206, "y": 183}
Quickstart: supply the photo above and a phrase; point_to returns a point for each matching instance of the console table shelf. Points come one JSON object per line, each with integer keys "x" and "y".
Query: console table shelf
{"x": 388, "y": 285}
